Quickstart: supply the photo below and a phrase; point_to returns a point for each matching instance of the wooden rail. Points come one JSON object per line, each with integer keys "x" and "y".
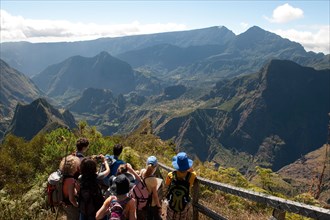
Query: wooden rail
{"x": 280, "y": 205}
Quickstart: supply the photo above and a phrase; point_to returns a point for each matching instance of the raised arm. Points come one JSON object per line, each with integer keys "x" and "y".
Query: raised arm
{"x": 72, "y": 192}
{"x": 106, "y": 172}
{"x": 132, "y": 210}
{"x": 132, "y": 171}
{"x": 155, "y": 196}
{"x": 104, "y": 210}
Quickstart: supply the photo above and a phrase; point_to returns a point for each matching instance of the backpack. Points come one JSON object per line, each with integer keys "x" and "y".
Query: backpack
{"x": 55, "y": 190}
{"x": 141, "y": 195}
{"x": 117, "y": 209}
{"x": 90, "y": 196}
{"x": 178, "y": 193}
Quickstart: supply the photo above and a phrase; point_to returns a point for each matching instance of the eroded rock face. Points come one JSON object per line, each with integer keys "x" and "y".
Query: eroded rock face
{"x": 36, "y": 117}
{"x": 277, "y": 115}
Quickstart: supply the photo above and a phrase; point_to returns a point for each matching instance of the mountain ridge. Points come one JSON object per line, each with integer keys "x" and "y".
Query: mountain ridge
{"x": 38, "y": 116}
{"x": 18, "y": 54}
{"x": 305, "y": 173}
{"x": 15, "y": 87}
{"x": 257, "y": 110}
{"x": 77, "y": 73}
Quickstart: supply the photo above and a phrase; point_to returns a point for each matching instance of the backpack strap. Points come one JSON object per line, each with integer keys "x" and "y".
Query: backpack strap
{"x": 122, "y": 202}
{"x": 125, "y": 201}
{"x": 144, "y": 181}
{"x": 187, "y": 178}
{"x": 67, "y": 176}
{"x": 175, "y": 175}
{"x": 150, "y": 194}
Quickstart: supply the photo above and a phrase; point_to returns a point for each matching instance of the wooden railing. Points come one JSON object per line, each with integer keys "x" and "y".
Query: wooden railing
{"x": 280, "y": 205}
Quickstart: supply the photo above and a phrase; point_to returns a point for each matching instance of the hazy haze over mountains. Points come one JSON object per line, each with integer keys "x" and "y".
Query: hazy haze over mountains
{"x": 18, "y": 54}
{"x": 32, "y": 58}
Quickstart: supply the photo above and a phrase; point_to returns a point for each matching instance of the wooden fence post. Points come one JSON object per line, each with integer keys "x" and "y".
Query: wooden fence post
{"x": 278, "y": 214}
{"x": 195, "y": 195}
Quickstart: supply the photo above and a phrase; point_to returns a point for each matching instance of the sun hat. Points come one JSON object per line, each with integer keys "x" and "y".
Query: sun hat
{"x": 181, "y": 162}
{"x": 121, "y": 185}
{"x": 152, "y": 160}
{"x": 131, "y": 179}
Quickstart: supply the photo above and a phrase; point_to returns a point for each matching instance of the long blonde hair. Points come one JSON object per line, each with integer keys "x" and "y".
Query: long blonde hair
{"x": 149, "y": 171}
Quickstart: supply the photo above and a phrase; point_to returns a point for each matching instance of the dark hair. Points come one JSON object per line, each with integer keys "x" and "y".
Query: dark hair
{"x": 122, "y": 169}
{"x": 81, "y": 143}
{"x": 88, "y": 167}
{"x": 117, "y": 149}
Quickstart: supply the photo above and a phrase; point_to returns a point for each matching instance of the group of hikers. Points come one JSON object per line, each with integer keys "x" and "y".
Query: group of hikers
{"x": 105, "y": 187}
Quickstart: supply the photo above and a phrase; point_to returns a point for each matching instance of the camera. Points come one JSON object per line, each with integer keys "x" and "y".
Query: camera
{"x": 98, "y": 158}
{"x": 110, "y": 160}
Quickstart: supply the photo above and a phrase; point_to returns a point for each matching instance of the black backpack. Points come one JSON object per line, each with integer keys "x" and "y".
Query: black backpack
{"x": 90, "y": 196}
{"x": 178, "y": 192}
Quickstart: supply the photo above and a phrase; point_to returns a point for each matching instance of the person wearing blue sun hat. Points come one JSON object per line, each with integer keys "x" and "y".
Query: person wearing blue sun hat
{"x": 179, "y": 183}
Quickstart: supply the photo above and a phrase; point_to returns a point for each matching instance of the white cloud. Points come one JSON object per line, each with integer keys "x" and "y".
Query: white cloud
{"x": 285, "y": 13}
{"x": 244, "y": 25}
{"x": 17, "y": 28}
{"x": 316, "y": 39}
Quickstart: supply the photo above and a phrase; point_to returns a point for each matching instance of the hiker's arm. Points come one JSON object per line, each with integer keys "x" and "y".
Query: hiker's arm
{"x": 132, "y": 210}
{"x": 104, "y": 210}
{"x": 72, "y": 194}
{"x": 106, "y": 172}
{"x": 132, "y": 171}
{"x": 155, "y": 196}
{"x": 76, "y": 188}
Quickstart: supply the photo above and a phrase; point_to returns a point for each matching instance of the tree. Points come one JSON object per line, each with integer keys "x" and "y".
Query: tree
{"x": 265, "y": 175}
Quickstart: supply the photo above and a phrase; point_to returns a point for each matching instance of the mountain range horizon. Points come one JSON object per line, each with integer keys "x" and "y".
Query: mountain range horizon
{"x": 74, "y": 45}
{"x": 99, "y": 38}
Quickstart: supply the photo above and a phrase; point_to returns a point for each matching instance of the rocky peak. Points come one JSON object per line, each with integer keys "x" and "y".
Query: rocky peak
{"x": 36, "y": 117}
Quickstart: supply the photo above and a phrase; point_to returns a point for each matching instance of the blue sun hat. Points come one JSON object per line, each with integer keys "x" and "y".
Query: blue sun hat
{"x": 152, "y": 160}
{"x": 181, "y": 162}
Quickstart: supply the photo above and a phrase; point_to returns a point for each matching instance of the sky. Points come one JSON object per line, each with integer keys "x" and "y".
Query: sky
{"x": 305, "y": 22}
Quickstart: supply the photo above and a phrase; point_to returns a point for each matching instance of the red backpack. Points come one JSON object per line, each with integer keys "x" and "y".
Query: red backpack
{"x": 54, "y": 190}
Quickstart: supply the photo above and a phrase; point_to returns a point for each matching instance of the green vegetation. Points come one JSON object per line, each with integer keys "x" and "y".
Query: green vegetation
{"x": 229, "y": 105}
{"x": 26, "y": 165}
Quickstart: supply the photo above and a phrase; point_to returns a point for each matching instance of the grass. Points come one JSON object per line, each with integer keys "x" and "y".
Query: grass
{"x": 229, "y": 105}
